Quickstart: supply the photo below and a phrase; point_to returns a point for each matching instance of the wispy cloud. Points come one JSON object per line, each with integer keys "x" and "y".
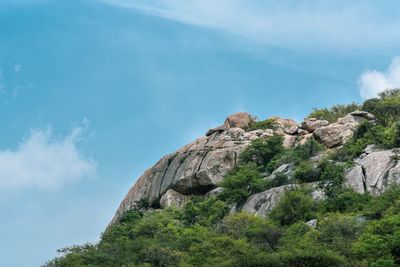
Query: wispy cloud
{"x": 372, "y": 82}
{"x": 333, "y": 24}
{"x": 44, "y": 161}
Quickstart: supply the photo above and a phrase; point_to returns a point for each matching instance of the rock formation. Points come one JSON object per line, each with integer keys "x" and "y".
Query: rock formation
{"x": 200, "y": 166}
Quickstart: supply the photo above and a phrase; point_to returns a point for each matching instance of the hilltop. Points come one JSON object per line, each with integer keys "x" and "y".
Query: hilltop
{"x": 274, "y": 192}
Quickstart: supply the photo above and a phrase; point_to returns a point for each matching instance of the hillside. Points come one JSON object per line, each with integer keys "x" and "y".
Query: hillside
{"x": 266, "y": 193}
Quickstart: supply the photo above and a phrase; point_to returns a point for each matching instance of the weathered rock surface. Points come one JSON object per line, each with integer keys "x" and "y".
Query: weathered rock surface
{"x": 171, "y": 198}
{"x": 337, "y": 134}
{"x": 238, "y": 120}
{"x": 311, "y": 124}
{"x": 374, "y": 171}
{"x": 262, "y": 203}
{"x": 199, "y": 167}
{"x": 195, "y": 168}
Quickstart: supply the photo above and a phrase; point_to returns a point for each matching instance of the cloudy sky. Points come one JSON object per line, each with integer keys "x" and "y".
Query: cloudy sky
{"x": 92, "y": 92}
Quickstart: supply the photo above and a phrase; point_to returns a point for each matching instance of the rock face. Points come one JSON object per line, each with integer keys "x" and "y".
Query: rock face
{"x": 195, "y": 168}
{"x": 262, "y": 203}
{"x": 311, "y": 124}
{"x": 374, "y": 171}
{"x": 336, "y": 134}
{"x": 238, "y": 120}
{"x": 171, "y": 198}
{"x": 199, "y": 167}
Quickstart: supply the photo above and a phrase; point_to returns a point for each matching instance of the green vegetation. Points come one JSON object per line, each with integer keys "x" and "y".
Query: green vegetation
{"x": 333, "y": 113}
{"x": 262, "y": 125}
{"x": 352, "y": 229}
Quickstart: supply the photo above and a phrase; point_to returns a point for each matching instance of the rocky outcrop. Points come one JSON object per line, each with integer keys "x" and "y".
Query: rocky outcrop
{"x": 240, "y": 120}
{"x": 262, "y": 203}
{"x": 311, "y": 124}
{"x": 199, "y": 167}
{"x": 171, "y": 198}
{"x": 337, "y": 134}
{"x": 374, "y": 171}
{"x": 195, "y": 168}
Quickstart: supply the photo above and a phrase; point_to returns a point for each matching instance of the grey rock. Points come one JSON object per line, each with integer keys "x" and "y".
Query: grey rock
{"x": 262, "y": 203}
{"x": 215, "y": 192}
{"x": 311, "y": 124}
{"x": 171, "y": 198}
{"x": 374, "y": 172}
{"x": 312, "y": 223}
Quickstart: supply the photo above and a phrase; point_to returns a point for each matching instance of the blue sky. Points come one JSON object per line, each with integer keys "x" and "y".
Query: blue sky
{"x": 92, "y": 92}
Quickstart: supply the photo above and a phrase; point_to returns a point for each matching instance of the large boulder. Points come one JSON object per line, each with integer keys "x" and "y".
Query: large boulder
{"x": 171, "y": 198}
{"x": 374, "y": 171}
{"x": 288, "y": 126}
{"x": 338, "y": 133}
{"x": 262, "y": 203}
{"x": 238, "y": 120}
{"x": 311, "y": 124}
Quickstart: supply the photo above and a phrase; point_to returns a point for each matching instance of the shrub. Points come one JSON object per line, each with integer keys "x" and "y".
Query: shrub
{"x": 301, "y": 152}
{"x": 333, "y": 113}
{"x": 345, "y": 200}
{"x": 253, "y": 228}
{"x": 386, "y": 107}
{"x": 380, "y": 205}
{"x": 381, "y": 241}
{"x": 204, "y": 211}
{"x": 332, "y": 177}
{"x": 295, "y": 205}
{"x": 262, "y": 151}
{"x": 262, "y": 125}
{"x": 305, "y": 172}
{"x": 278, "y": 180}
{"x": 240, "y": 183}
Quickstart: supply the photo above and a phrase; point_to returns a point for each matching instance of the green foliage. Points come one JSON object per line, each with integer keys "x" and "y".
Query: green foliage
{"x": 301, "y": 152}
{"x": 368, "y": 133}
{"x": 252, "y": 228}
{"x": 305, "y": 172}
{"x": 345, "y": 200}
{"x": 263, "y": 151}
{"x": 380, "y": 243}
{"x": 295, "y": 205}
{"x": 262, "y": 125}
{"x": 240, "y": 183}
{"x": 204, "y": 211}
{"x": 332, "y": 177}
{"x": 278, "y": 180}
{"x": 386, "y": 107}
{"x": 333, "y": 113}
{"x": 386, "y": 203}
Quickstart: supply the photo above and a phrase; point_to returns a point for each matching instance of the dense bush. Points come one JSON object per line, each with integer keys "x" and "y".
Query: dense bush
{"x": 305, "y": 172}
{"x": 262, "y": 151}
{"x": 386, "y": 107}
{"x": 240, "y": 183}
{"x": 295, "y": 205}
{"x": 333, "y": 113}
{"x": 262, "y": 125}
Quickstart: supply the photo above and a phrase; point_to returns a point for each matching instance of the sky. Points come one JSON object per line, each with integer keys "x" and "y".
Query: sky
{"x": 93, "y": 92}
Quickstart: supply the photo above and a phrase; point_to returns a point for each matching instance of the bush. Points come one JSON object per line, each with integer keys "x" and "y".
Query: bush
{"x": 386, "y": 107}
{"x": 332, "y": 177}
{"x": 380, "y": 205}
{"x": 240, "y": 183}
{"x": 333, "y": 113}
{"x": 345, "y": 200}
{"x": 305, "y": 172}
{"x": 301, "y": 152}
{"x": 253, "y": 228}
{"x": 262, "y": 125}
{"x": 381, "y": 241}
{"x": 262, "y": 151}
{"x": 295, "y": 205}
{"x": 204, "y": 211}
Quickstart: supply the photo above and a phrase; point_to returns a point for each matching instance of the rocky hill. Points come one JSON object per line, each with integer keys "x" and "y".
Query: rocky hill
{"x": 199, "y": 167}
{"x": 324, "y": 192}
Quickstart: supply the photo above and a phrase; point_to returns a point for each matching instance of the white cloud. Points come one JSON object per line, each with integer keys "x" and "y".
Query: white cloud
{"x": 333, "y": 24}
{"x": 44, "y": 161}
{"x": 373, "y": 82}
